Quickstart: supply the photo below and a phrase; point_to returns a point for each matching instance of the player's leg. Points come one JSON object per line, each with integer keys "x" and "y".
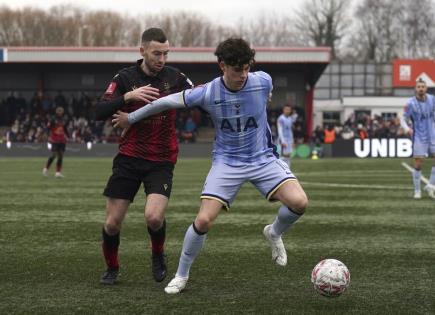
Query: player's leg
{"x": 157, "y": 180}
{"x": 276, "y": 182}
{"x": 430, "y": 188}
{"x": 286, "y": 150}
{"x": 120, "y": 190}
{"x": 49, "y": 161}
{"x": 193, "y": 242}
{"x": 294, "y": 202}
{"x": 59, "y": 153}
{"x": 420, "y": 151}
{"x": 416, "y": 177}
{"x": 432, "y": 173}
{"x": 220, "y": 188}
{"x": 156, "y": 225}
{"x": 115, "y": 213}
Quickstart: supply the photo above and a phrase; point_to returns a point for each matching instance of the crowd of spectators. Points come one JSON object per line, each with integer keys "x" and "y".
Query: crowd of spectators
{"x": 27, "y": 119}
{"x": 359, "y": 127}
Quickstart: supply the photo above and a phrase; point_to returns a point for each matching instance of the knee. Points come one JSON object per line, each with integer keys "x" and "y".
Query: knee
{"x": 154, "y": 221}
{"x": 112, "y": 227}
{"x": 203, "y": 223}
{"x": 299, "y": 204}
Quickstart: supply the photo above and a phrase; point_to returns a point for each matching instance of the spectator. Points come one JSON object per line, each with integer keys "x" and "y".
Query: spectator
{"x": 329, "y": 135}
{"x": 188, "y": 133}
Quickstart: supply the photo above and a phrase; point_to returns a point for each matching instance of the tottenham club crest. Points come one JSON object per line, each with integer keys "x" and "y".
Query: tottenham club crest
{"x": 237, "y": 106}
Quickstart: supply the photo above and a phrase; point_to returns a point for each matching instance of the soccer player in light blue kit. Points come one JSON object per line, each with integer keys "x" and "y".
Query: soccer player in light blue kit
{"x": 285, "y": 132}
{"x": 243, "y": 151}
{"x": 420, "y": 110}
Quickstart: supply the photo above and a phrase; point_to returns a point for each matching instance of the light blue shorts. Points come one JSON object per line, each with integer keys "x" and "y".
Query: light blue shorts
{"x": 224, "y": 181}
{"x": 420, "y": 149}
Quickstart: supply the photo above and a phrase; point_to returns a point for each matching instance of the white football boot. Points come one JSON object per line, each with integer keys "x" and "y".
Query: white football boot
{"x": 58, "y": 175}
{"x": 279, "y": 254}
{"x": 176, "y": 285}
{"x": 45, "y": 172}
{"x": 430, "y": 189}
{"x": 417, "y": 194}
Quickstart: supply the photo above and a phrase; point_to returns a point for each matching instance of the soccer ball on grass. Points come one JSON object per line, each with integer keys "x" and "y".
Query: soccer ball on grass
{"x": 330, "y": 277}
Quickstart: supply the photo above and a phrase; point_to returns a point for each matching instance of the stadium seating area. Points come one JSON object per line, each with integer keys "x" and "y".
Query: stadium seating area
{"x": 26, "y": 120}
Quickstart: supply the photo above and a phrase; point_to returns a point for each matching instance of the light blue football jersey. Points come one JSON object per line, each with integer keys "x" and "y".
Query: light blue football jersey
{"x": 422, "y": 115}
{"x": 240, "y": 119}
{"x": 285, "y": 131}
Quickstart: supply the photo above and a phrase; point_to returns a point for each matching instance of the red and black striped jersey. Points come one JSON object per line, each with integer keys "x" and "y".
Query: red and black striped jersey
{"x": 58, "y": 131}
{"x": 153, "y": 138}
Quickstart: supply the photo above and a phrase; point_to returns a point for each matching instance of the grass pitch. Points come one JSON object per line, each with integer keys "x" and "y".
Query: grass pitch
{"x": 361, "y": 212}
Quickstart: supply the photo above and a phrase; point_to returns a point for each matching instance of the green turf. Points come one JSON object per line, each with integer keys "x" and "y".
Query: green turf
{"x": 360, "y": 212}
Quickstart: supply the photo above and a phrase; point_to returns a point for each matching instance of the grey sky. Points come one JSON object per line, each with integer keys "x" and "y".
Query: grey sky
{"x": 224, "y": 11}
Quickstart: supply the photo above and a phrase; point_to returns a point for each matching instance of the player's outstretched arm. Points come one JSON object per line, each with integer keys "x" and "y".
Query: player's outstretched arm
{"x": 124, "y": 120}
{"x": 172, "y": 101}
{"x": 113, "y": 99}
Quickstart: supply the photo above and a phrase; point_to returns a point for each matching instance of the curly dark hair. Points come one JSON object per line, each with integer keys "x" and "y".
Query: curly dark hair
{"x": 235, "y": 52}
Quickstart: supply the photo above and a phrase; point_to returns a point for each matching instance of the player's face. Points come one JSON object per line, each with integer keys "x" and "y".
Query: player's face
{"x": 59, "y": 111}
{"x": 286, "y": 110}
{"x": 421, "y": 89}
{"x": 235, "y": 76}
{"x": 155, "y": 55}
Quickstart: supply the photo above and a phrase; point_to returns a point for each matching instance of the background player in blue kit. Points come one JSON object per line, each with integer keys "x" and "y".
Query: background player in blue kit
{"x": 243, "y": 151}
{"x": 420, "y": 110}
{"x": 285, "y": 132}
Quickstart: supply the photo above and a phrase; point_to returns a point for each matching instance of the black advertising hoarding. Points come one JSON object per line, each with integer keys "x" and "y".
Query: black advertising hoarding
{"x": 377, "y": 148}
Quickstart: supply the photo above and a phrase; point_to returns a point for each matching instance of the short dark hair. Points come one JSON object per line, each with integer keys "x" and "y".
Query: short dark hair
{"x": 235, "y": 52}
{"x": 154, "y": 34}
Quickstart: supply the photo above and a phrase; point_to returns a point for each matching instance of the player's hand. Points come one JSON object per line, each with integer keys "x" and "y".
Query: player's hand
{"x": 145, "y": 94}
{"x": 283, "y": 145}
{"x": 120, "y": 119}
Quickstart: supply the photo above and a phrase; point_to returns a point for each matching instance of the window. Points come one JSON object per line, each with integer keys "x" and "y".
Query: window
{"x": 388, "y": 116}
{"x": 361, "y": 115}
{"x": 331, "y": 118}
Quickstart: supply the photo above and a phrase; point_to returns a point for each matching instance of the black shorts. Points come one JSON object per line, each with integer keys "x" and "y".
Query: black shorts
{"x": 58, "y": 147}
{"x": 129, "y": 172}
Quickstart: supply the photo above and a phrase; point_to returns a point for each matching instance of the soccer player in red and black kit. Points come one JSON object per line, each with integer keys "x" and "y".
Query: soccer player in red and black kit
{"x": 147, "y": 152}
{"x": 57, "y": 139}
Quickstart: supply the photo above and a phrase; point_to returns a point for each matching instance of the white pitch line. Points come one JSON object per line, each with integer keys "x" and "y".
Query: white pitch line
{"x": 409, "y": 168}
{"x": 355, "y": 186}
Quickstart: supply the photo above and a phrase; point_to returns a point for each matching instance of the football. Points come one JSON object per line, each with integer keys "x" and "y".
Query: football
{"x": 330, "y": 277}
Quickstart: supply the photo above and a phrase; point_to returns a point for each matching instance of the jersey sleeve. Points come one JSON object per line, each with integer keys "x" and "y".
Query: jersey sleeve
{"x": 112, "y": 99}
{"x": 114, "y": 89}
{"x": 407, "y": 112}
{"x": 267, "y": 80}
{"x": 184, "y": 82}
{"x": 195, "y": 97}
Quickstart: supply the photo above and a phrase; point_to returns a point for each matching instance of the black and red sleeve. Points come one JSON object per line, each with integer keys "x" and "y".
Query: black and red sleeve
{"x": 112, "y": 99}
{"x": 184, "y": 82}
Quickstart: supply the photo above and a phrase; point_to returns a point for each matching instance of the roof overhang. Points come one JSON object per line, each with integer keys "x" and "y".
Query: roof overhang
{"x": 278, "y": 55}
